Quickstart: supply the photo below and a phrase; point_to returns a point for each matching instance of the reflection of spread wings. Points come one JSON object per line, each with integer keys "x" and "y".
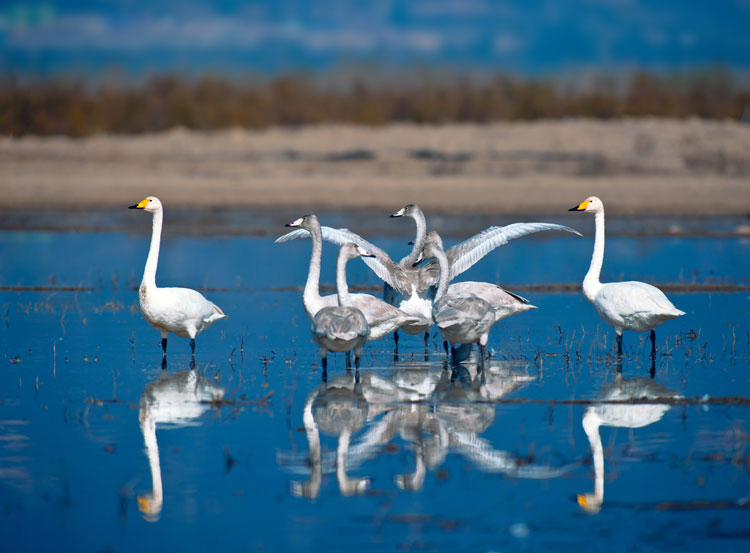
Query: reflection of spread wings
{"x": 382, "y": 264}
{"x": 460, "y": 257}
{"x": 490, "y": 459}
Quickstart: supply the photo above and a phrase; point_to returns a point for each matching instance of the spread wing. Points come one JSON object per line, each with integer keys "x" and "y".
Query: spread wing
{"x": 467, "y": 253}
{"x": 382, "y": 264}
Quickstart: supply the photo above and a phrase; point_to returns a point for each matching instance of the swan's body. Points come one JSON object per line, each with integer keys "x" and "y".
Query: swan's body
{"x": 624, "y": 416}
{"x": 414, "y": 289}
{"x": 176, "y": 401}
{"x": 181, "y": 311}
{"x": 382, "y": 318}
{"x": 342, "y": 328}
{"x": 629, "y": 305}
{"x": 504, "y": 303}
{"x": 460, "y": 319}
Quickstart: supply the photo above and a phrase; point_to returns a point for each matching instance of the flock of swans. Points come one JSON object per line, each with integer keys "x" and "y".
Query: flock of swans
{"x": 418, "y": 292}
{"x": 450, "y": 406}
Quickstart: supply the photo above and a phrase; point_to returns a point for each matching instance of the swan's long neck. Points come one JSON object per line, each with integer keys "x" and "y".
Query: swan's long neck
{"x": 591, "y": 423}
{"x": 443, "y": 282}
{"x": 311, "y": 296}
{"x": 149, "y": 273}
{"x": 148, "y": 428}
{"x": 341, "y": 286}
{"x": 419, "y": 241}
{"x": 347, "y": 486}
{"x": 591, "y": 283}
{"x": 312, "y": 486}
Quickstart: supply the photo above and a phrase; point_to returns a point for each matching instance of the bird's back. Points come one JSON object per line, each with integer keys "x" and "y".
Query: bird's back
{"x": 339, "y": 323}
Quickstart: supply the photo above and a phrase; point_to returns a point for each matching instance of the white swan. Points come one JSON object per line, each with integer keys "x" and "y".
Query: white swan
{"x": 416, "y": 287}
{"x": 342, "y": 328}
{"x": 629, "y": 305}
{"x": 177, "y": 401}
{"x": 182, "y": 311}
{"x": 624, "y": 416}
{"x": 381, "y": 317}
{"x": 460, "y": 319}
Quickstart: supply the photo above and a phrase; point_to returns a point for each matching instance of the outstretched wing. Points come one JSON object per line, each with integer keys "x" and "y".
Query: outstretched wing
{"x": 467, "y": 253}
{"x": 382, "y": 264}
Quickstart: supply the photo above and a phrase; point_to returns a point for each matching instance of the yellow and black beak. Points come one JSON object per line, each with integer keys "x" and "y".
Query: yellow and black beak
{"x": 580, "y": 207}
{"x": 140, "y": 205}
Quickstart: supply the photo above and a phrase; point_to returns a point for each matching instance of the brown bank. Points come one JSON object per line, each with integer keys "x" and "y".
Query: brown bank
{"x": 636, "y": 166}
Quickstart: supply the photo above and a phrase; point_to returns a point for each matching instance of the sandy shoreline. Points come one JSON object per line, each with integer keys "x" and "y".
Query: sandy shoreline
{"x": 636, "y": 166}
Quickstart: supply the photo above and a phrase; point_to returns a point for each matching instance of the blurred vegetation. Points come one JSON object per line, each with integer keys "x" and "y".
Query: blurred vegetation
{"x": 58, "y": 106}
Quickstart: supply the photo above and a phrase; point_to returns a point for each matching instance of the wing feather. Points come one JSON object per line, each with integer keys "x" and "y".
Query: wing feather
{"x": 382, "y": 264}
{"x": 467, "y": 253}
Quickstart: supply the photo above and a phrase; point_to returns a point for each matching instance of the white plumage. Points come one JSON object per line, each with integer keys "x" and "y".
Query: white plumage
{"x": 181, "y": 311}
{"x": 628, "y": 305}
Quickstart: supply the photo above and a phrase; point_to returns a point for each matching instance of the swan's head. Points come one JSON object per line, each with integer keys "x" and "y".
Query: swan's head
{"x": 592, "y": 204}
{"x": 305, "y": 222}
{"x": 432, "y": 246}
{"x": 151, "y": 204}
{"x": 407, "y": 211}
{"x": 589, "y": 502}
{"x": 350, "y": 250}
{"x": 150, "y": 507}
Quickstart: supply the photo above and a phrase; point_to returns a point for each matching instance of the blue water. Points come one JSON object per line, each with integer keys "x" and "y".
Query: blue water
{"x": 82, "y": 380}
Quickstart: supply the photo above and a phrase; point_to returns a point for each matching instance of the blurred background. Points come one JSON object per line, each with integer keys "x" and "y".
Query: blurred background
{"x": 81, "y": 66}
{"x": 372, "y": 105}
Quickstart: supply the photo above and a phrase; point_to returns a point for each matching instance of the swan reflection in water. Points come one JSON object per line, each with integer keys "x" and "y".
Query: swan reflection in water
{"x": 171, "y": 401}
{"x": 618, "y": 415}
{"x": 437, "y": 410}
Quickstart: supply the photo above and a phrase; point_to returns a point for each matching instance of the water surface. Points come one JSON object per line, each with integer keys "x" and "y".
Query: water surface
{"x": 437, "y": 458}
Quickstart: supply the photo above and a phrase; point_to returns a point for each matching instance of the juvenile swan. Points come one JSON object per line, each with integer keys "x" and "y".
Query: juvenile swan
{"x": 182, "y": 311}
{"x": 381, "y": 317}
{"x": 342, "y": 328}
{"x": 629, "y": 305}
{"x": 414, "y": 288}
{"x": 460, "y": 319}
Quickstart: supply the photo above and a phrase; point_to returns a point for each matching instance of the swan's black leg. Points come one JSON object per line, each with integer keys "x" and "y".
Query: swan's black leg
{"x": 619, "y": 344}
{"x": 324, "y": 362}
{"x": 426, "y": 338}
{"x": 481, "y": 356}
{"x": 164, "y": 362}
{"x": 652, "y": 372}
{"x": 164, "y": 346}
{"x": 348, "y": 360}
{"x": 653, "y": 343}
{"x": 192, "y": 345}
{"x": 445, "y": 346}
{"x": 356, "y": 362}
{"x": 395, "y": 339}
{"x": 192, "y": 362}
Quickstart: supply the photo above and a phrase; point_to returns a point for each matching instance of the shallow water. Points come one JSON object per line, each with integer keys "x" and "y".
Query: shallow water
{"x": 438, "y": 459}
